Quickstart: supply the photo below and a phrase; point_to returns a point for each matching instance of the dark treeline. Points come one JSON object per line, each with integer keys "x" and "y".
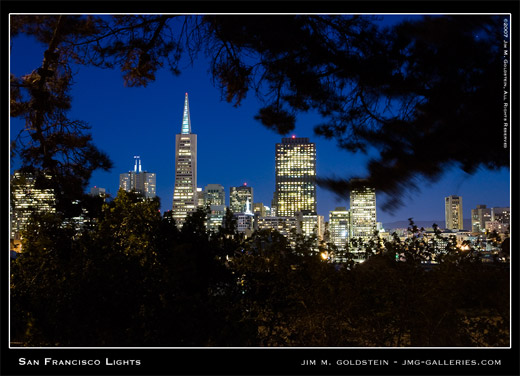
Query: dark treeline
{"x": 131, "y": 278}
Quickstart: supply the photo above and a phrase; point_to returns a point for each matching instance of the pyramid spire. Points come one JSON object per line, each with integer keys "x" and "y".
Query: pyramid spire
{"x": 186, "y": 122}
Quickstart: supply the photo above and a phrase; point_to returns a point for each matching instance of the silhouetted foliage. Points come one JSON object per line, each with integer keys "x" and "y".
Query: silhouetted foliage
{"x": 135, "y": 280}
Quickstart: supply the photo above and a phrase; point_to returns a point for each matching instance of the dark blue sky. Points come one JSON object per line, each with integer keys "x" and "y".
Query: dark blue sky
{"x": 233, "y": 148}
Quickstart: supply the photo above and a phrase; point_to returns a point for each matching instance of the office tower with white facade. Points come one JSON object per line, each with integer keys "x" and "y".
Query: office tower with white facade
{"x": 238, "y": 196}
{"x": 339, "y": 227}
{"x": 453, "y": 213}
{"x": 138, "y": 180}
{"x": 363, "y": 222}
{"x": 185, "y": 198}
{"x": 295, "y": 170}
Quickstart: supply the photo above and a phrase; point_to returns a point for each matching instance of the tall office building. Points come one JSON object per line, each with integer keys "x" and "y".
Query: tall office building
{"x": 238, "y": 197}
{"x": 479, "y": 217}
{"x": 27, "y": 199}
{"x": 363, "y": 213}
{"x": 295, "y": 177}
{"x": 453, "y": 210}
{"x": 185, "y": 192}
{"x": 138, "y": 180}
{"x": 215, "y": 199}
{"x": 339, "y": 227}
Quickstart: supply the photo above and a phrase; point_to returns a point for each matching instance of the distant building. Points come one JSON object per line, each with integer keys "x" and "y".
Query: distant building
{"x": 185, "y": 198}
{"x": 497, "y": 226}
{"x": 26, "y": 200}
{"x": 501, "y": 214}
{"x": 215, "y": 217}
{"x": 214, "y": 194}
{"x": 140, "y": 181}
{"x": 215, "y": 198}
{"x": 321, "y": 228}
{"x": 308, "y": 223}
{"x": 98, "y": 192}
{"x": 199, "y": 197}
{"x": 238, "y": 196}
{"x": 339, "y": 227}
{"x": 295, "y": 173}
{"x": 245, "y": 220}
{"x": 260, "y": 209}
{"x": 479, "y": 217}
{"x": 287, "y": 226}
{"x": 363, "y": 220}
{"x": 453, "y": 212}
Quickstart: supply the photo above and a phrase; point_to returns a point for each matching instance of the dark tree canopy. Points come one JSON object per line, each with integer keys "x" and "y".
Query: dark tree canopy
{"x": 422, "y": 92}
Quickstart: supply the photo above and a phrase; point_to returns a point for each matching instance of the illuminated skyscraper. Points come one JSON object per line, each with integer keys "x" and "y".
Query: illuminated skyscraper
{"x": 453, "y": 210}
{"x": 295, "y": 177}
{"x": 185, "y": 192}
{"x": 141, "y": 181}
{"x": 238, "y": 197}
{"x": 25, "y": 200}
{"x": 339, "y": 227}
{"x": 215, "y": 198}
{"x": 363, "y": 213}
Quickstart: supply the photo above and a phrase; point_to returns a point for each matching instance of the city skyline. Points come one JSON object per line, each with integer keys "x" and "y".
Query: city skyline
{"x": 145, "y": 120}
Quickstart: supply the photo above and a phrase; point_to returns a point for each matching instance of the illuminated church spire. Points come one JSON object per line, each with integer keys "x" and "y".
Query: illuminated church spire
{"x": 186, "y": 122}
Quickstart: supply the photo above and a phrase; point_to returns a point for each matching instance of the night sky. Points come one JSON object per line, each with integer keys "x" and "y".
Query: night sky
{"x": 233, "y": 147}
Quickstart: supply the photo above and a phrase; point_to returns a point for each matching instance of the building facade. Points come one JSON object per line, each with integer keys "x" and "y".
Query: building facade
{"x": 287, "y": 226}
{"x": 214, "y": 194}
{"x": 453, "y": 213}
{"x": 25, "y": 200}
{"x": 238, "y": 196}
{"x": 479, "y": 217}
{"x": 295, "y": 170}
{"x": 185, "y": 198}
{"x": 501, "y": 215}
{"x": 140, "y": 181}
{"x": 339, "y": 227}
{"x": 363, "y": 219}
{"x": 215, "y": 200}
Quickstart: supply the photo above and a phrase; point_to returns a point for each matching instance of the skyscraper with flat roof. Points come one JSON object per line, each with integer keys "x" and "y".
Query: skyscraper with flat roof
{"x": 295, "y": 170}
{"x": 453, "y": 211}
{"x": 339, "y": 227}
{"x": 185, "y": 197}
{"x": 363, "y": 213}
